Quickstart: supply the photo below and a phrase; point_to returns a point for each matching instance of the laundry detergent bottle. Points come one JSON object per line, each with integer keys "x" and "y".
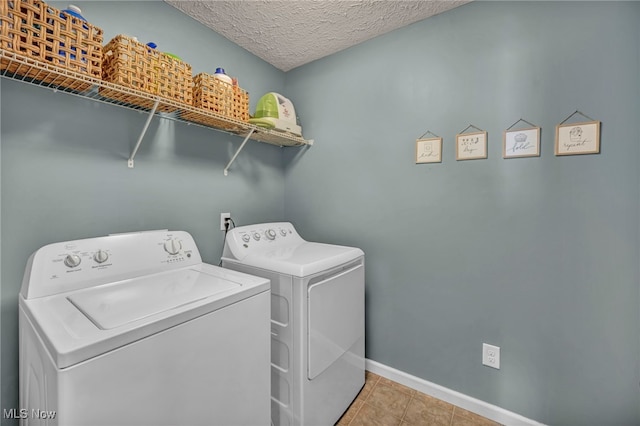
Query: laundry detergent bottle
{"x": 75, "y": 13}
{"x": 221, "y": 75}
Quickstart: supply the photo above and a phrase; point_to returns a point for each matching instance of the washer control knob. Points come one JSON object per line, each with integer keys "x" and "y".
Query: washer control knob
{"x": 256, "y": 236}
{"x": 72, "y": 260}
{"x": 246, "y": 238}
{"x": 283, "y": 232}
{"x": 172, "y": 246}
{"x": 101, "y": 256}
{"x": 270, "y": 234}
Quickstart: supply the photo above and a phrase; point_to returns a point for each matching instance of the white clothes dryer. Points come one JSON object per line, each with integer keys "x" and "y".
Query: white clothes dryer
{"x": 134, "y": 329}
{"x": 317, "y": 319}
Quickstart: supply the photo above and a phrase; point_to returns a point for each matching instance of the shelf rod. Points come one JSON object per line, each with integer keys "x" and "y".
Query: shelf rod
{"x": 144, "y": 130}
{"x": 246, "y": 139}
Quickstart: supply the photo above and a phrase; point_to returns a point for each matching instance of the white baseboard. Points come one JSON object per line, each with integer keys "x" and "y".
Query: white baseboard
{"x": 474, "y": 405}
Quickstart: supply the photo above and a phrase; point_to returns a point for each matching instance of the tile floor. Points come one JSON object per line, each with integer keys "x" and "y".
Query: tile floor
{"x": 382, "y": 402}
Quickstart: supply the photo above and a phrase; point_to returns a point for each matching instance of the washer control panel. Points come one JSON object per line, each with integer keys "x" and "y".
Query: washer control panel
{"x": 71, "y": 265}
{"x": 243, "y": 239}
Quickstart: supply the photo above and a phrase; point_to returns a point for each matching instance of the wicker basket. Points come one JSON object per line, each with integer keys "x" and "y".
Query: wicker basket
{"x": 129, "y": 63}
{"x": 240, "y": 104}
{"x": 219, "y": 97}
{"x": 36, "y": 30}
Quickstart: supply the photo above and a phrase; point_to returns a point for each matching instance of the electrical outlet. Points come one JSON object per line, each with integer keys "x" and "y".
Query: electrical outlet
{"x": 491, "y": 356}
{"x": 223, "y": 217}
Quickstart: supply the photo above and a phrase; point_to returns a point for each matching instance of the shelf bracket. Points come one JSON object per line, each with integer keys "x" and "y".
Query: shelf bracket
{"x": 144, "y": 130}
{"x": 244, "y": 142}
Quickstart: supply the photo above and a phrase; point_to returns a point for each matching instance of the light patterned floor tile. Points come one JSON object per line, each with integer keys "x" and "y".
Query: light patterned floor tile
{"x": 426, "y": 410}
{"x": 350, "y": 414}
{"x": 369, "y": 384}
{"x": 383, "y": 402}
{"x": 391, "y": 399}
{"x": 370, "y": 415}
{"x": 396, "y": 385}
{"x": 463, "y": 417}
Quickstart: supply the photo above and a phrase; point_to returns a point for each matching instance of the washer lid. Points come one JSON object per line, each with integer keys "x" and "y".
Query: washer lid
{"x": 79, "y": 325}
{"x": 118, "y": 304}
{"x": 302, "y": 259}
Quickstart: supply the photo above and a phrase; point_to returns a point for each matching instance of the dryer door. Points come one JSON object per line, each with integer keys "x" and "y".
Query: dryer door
{"x": 335, "y": 315}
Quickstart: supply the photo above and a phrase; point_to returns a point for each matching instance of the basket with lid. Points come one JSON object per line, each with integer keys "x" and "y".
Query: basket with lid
{"x": 64, "y": 39}
{"x": 134, "y": 65}
{"x": 215, "y": 95}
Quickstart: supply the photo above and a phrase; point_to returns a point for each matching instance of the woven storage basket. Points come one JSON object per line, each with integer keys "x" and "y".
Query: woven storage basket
{"x": 36, "y": 30}
{"x": 214, "y": 95}
{"x": 240, "y": 104}
{"x": 129, "y": 63}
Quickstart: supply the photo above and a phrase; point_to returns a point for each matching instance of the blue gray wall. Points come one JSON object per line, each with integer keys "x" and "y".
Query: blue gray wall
{"x": 64, "y": 161}
{"x": 537, "y": 255}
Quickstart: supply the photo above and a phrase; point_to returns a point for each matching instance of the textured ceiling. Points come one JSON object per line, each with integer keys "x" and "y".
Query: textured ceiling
{"x": 291, "y": 33}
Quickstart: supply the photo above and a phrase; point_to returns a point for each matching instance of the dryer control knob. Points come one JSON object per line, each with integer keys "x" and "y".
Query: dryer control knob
{"x": 173, "y": 246}
{"x": 246, "y": 238}
{"x": 256, "y": 236}
{"x": 72, "y": 260}
{"x": 283, "y": 232}
{"x": 101, "y": 256}
{"x": 271, "y": 234}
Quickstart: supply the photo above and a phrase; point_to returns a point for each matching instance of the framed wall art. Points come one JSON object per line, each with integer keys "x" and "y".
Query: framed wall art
{"x": 471, "y": 146}
{"x": 429, "y": 150}
{"x": 522, "y": 142}
{"x": 578, "y": 138}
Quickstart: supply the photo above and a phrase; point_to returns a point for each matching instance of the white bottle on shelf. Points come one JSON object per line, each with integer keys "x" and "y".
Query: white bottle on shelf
{"x": 220, "y": 75}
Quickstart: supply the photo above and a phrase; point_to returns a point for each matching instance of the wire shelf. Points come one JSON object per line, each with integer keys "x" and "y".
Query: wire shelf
{"x": 26, "y": 70}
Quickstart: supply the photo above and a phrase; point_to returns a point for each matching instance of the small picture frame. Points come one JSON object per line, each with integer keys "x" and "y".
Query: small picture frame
{"x": 521, "y": 143}
{"x": 578, "y": 138}
{"x": 471, "y": 146}
{"x": 429, "y": 150}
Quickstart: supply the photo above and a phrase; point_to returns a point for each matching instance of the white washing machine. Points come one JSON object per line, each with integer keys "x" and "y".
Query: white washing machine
{"x": 317, "y": 319}
{"x": 134, "y": 329}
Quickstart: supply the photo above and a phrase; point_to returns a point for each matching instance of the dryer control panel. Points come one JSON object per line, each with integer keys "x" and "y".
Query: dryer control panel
{"x": 243, "y": 239}
{"x": 71, "y": 265}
